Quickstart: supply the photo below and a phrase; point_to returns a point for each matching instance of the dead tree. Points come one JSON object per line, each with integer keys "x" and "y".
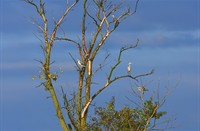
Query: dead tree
{"x": 107, "y": 17}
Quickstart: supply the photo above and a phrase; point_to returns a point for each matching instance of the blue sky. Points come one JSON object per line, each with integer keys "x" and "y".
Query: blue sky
{"x": 169, "y": 32}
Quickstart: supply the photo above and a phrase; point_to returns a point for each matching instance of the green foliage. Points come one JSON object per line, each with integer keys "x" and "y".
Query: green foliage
{"x": 137, "y": 119}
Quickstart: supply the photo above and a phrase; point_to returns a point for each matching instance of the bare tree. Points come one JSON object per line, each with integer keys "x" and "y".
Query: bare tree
{"x": 106, "y": 18}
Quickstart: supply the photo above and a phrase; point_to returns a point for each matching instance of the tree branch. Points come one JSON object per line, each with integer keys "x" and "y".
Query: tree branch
{"x": 66, "y": 105}
{"x": 84, "y": 28}
{"x": 60, "y": 20}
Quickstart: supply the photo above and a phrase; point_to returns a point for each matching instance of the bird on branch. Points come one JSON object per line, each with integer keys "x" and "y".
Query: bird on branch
{"x": 129, "y": 68}
{"x": 142, "y": 89}
{"x": 80, "y": 63}
{"x": 114, "y": 18}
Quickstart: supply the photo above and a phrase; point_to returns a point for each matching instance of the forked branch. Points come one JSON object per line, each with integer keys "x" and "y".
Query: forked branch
{"x": 110, "y": 81}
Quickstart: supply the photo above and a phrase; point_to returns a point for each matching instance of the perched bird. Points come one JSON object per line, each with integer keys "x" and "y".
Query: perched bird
{"x": 129, "y": 68}
{"x": 142, "y": 89}
{"x": 113, "y": 16}
{"x": 114, "y": 19}
{"x": 80, "y": 63}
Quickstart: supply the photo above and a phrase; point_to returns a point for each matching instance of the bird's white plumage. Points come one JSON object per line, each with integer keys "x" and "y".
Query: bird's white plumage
{"x": 142, "y": 89}
{"x": 113, "y": 16}
{"x": 129, "y": 68}
{"x": 80, "y": 63}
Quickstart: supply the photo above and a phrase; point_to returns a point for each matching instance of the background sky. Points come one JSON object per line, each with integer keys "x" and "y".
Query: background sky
{"x": 169, "y": 33}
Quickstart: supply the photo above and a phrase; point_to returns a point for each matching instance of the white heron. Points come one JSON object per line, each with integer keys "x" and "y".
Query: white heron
{"x": 114, "y": 18}
{"x": 142, "y": 89}
{"x": 129, "y": 68}
{"x": 80, "y": 63}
